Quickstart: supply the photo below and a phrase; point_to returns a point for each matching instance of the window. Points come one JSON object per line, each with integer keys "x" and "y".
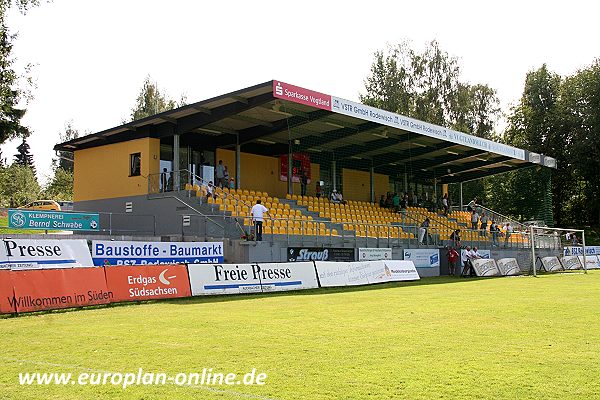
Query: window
{"x": 135, "y": 161}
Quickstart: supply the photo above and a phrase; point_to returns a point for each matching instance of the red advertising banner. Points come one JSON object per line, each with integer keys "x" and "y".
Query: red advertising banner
{"x": 49, "y": 289}
{"x": 148, "y": 282}
{"x": 6, "y": 293}
{"x": 300, "y": 165}
{"x": 296, "y": 94}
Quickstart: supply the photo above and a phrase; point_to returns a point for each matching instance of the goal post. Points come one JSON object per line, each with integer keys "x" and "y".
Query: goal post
{"x": 544, "y": 237}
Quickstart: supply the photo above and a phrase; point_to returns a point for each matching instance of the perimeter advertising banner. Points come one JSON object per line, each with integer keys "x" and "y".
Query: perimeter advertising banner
{"x": 372, "y": 254}
{"x": 251, "y": 278}
{"x": 44, "y": 253}
{"x": 53, "y": 220}
{"x": 571, "y": 262}
{"x": 508, "y": 266}
{"x": 578, "y": 250}
{"x": 333, "y": 274}
{"x": 48, "y": 289}
{"x": 147, "y": 282}
{"x": 485, "y": 267}
{"x": 591, "y": 262}
{"x": 423, "y": 258}
{"x": 551, "y": 264}
{"x": 105, "y": 252}
{"x": 6, "y": 293}
{"x": 295, "y": 254}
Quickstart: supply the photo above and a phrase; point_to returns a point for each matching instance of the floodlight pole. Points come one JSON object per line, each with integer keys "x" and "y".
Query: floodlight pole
{"x": 532, "y": 241}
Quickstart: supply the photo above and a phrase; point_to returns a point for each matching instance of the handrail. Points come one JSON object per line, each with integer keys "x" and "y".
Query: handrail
{"x": 521, "y": 226}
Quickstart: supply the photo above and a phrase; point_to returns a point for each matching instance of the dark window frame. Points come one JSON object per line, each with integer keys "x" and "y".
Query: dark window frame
{"x": 132, "y": 166}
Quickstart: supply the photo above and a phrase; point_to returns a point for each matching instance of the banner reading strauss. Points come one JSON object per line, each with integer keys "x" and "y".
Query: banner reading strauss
{"x": 106, "y": 252}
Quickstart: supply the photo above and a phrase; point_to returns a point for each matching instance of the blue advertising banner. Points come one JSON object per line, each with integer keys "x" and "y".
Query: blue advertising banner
{"x": 108, "y": 252}
{"x": 53, "y": 220}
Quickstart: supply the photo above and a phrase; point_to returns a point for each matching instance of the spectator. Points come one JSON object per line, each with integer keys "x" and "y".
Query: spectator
{"x": 475, "y": 254}
{"x": 337, "y": 197}
{"x": 411, "y": 201}
{"x": 465, "y": 258}
{"x": 472, "y": 204}
{"x": 474, "y": 219}
{"x": 574, "y": 240}
{"x": 231, "y": 183}
{"x": 455, "y": 237}
{"x": 483, "y": 226}
{"x": 445, "y": 204}
{"x": 507, "y": 235}
{"x": 388, "y": 201}
{"x": 225, "y": 176}
{"x": 453, "y": 257}
{"x": 494, "y": 230}
{"x": 382, "y": 201}
{"x": 257, "y": 213}
{"x": 163, "y": 180}
{"x": 303, "y": 183}
{"x": 220, "y": 174}
{"x": 396, "y": 202}
{"x": 318, "y": 191}
{"x": 404, "y": 203}
{"x": 423, "y": 232}
{"x": 210, "y": 191}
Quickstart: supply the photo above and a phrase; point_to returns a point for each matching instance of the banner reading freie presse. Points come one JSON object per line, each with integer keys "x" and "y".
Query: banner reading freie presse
{"x": 18, "y": 254}
{"x": 354, "y": 273}
{"x": 105, "y": 252}
{"x": 251, "y": 278}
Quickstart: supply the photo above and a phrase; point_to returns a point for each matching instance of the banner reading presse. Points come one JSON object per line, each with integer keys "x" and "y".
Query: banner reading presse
{"x": 105, "y": 252}
{"x": 44, "y": 253}
{"x": 53, "y": 220}
{"x": 251, "y": 278}
{"x": 423, "y": 258}
{"x": 333, "y": 274}
{"x": 374, "y": 253}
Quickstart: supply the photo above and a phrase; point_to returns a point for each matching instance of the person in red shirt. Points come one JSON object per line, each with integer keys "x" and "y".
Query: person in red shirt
{"x": 453, "y": 257}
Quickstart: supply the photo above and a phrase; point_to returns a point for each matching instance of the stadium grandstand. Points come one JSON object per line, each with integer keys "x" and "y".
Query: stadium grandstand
{"x": 165, "y": 165}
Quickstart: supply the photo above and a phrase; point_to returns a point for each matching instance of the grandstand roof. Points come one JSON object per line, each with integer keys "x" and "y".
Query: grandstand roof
{"x": 271, "y": 117}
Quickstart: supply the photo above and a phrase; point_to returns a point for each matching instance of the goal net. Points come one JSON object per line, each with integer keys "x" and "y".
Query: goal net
{"x": 558, "y": 249}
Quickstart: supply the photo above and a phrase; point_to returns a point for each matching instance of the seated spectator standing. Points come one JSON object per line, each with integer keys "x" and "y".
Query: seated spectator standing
{"x": 474, "y": 220}
{"x": 494, "y": 230}
{"x": 509, "y": 231}
{"x": 382, "y": 201}
{"x": 257, "y": 213}
{"x": 445, "y": 203}
{"x": 396, "y": 202}
{"x": 220, "y": 174}
{"x": 210, "y": 191}
{"x": 483, "y": 226}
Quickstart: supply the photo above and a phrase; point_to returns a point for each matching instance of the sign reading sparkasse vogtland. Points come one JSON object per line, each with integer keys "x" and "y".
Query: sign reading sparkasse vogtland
{"x": 53, "y": 220}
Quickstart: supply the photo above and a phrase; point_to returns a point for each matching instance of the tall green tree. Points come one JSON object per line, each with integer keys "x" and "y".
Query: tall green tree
{"x": 24, "y": 156}
{"x": 151, "y": 100}
{"x": 60, "y": 187}
{"x": 426, "y": 85}
{"x": 19, "y": 184}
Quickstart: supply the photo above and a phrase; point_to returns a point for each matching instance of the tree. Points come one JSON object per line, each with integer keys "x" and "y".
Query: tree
{"x": 61, "y": 185}
{"x": 427, "y": 86}
{"x": 18, "y": 183}
{"x": 65, "y": 158}
{"x": 23, "y": 156}
{"x": 152, "y": 101}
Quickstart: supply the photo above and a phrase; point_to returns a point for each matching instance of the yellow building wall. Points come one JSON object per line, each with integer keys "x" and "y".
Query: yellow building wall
{"x": 262, "y": 173}
{"x": 103, "y": 172}
{"x": 357, "y": 185}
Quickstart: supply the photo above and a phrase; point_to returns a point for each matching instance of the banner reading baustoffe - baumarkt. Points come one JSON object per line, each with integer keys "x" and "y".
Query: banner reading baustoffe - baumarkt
{"x": 105, "y": 252}
{"x": 53, "y": 220}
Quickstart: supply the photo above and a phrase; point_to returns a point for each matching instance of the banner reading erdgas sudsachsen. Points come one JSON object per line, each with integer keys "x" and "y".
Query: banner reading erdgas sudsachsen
{"x": 105, "y": 252}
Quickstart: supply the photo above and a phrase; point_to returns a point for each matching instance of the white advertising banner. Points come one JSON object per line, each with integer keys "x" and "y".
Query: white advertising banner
{"x": 394, "y": 120}
{"x": 508, "y": 266}
{"x": 485, "y": 267}
{"x": 206, "y": 279}
{"x": 333, "y": 274}
{"x": 44, "y": 253}
{"x": 551, "y": 264}
{"x": 107, "y": 252}
{"x": 571, "y": 262}
{"x": 373, "y": 254}
{"x": 485, "y": 253}
{"x": 578, "y": 250}
{"x": 591, "y": 262}
{"x": 423, "y": 258}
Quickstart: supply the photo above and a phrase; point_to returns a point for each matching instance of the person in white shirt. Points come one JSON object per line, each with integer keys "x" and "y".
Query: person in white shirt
{"x": 475, "y": 254}
{"x": 465, "y": 258}
{"x": 509, "y": 231}
{"x": 257, "y": 212}
{"x": 474, "y": 220}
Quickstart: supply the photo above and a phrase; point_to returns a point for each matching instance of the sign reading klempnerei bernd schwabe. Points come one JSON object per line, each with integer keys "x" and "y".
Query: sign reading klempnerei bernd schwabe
{"x": 53, "y": 220}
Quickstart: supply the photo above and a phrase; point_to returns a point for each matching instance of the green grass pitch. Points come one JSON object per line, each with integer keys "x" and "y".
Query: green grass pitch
{"x": 503, "y": 338}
